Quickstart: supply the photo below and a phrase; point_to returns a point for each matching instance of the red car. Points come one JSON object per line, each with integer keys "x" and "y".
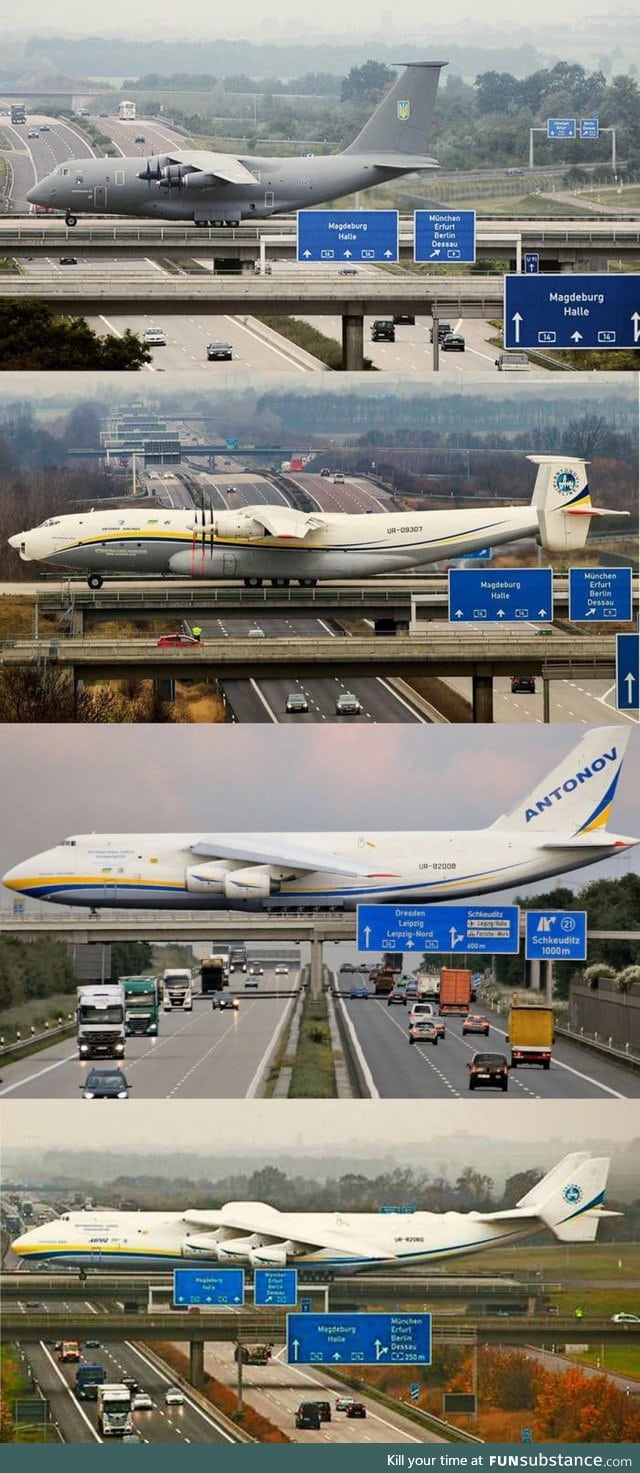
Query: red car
{"x": 178, "y": 639}
{"x": 474, "y": 1023}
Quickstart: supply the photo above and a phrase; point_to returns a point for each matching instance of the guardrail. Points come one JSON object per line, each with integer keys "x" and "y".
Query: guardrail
{"x": 31, "y": 1039}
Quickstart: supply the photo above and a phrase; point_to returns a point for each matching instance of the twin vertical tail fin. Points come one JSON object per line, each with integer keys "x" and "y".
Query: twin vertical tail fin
{"x": 577, "y": 796}
{"x": 401, "y": 124}
{"x": 562, "y": 499}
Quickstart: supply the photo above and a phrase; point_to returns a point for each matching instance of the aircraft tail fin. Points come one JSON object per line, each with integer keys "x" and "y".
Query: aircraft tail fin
{"x": 562, "y": 498}
{"x": 577, "y": 796}
{"x": 401, "y": 123}
{"x": 570, "y": 1198}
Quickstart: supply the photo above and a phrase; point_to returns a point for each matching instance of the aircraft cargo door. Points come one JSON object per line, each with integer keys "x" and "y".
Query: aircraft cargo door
{"x": 100, "y": 197}
{"x": 269, "y": 199}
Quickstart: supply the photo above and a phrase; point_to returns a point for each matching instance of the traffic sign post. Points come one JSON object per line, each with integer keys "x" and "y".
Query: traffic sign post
{"x": 347, "y": 236}
{"x": 444, "y": 235}
{"x": 578, "y": 312}
{"x": 600, "y": 593}
{"x": 490, "y": 929}
{"x": 627, "y": 671}
{"x": 561, "y": 127}
{"x": 275, "y": 1286}
{"x": 359, "y": 1339}
{"x": 531, "y": 262}
{"x": 555, "y": 935}
{"x": 208, "y": 1286}
{"x": 500, "y": 596}
{"x": 589, "y": 128}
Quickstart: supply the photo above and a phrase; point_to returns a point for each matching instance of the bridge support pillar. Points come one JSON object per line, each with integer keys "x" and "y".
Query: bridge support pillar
{"x": 196, "y": 1364}
{"x": 316, "y": 967}
{"x": 352, "y": 342}
{"x": 164, "y": 688}
{"x": 533, "y": 977}
{"x": 546, "y": 702}
{"x": 77, "y": 630}
{"x": 482, "y": 701}
{"x": 547, "y": 974}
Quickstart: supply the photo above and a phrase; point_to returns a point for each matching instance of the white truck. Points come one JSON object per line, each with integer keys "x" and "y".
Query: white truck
{"x": 100, "y": 1020}
{"x": 176, "y": 987}
{"x": 114, "y": 1410}
{"x": 127, "y": 112}
{"x": 428, "y": 986}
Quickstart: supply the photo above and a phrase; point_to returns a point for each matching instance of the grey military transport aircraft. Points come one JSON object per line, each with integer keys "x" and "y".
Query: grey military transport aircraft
{"x": 212, "y": 188}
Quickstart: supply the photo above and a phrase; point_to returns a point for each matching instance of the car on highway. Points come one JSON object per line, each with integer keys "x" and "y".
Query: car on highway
{"x": 357, "y": 1409}
{"x": 256, "y": 632}
{"x": 491, "y": 1070}
{"x": 251, "y": 980}
{"x": 174, "y": 1397}
{"x": 523, "y": 685}
{"x": 475, "y": 1023}
{"x": 338, "y": 478}
{"x": 625, "y": 1319}
{"x": 130, "y": 1382}
{"x": 217, "y": 352}
{"x": 444, "y": 328}
{"x": 343, "y": 1403}
{"x": 33, "y": 133}
{"x": 348, "y": 271}
{"x": 512, "y": 363}
{"x": 397, "y": 994}
{"x": 155, "y": 337}
{"x": 359, "y": 990}
{"x": 68, "y": 261}
{"x": 281, "y": 970}
{"x": 325, "y": 472}
{"x": 179, "y": 638}
{"x": 256, "y": 969}
{"x": 348, "y": 967}
{"x": 225, "y": 1002}
{"x": 296, "y": 703}
{"x": 453, "y": 342}
{"x": 142, "y": 1402}
{"x": 423, "y": 1030}
{"x": 105, "y": 1084}
{"x": 92, "y": 1344}
{"x": 132, "y": 1437}
{"x": 383, "y": 330}
{"x": 404, "y": 318}
{"x": 411, "y": 989}
{"x": 44, "y": 128}
{"x": 140, "y": 139}
{"x": 348, "y": 705}
{"x": 308, "y": 1416}
{"x": 421, "y": 1010}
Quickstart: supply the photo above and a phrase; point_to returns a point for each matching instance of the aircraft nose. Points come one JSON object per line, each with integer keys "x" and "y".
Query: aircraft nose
{"x": 16, "y": 878}
{"x": 42, "y": 192}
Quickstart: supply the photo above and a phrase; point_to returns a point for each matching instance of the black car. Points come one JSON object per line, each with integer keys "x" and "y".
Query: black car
{"x": 217, "y": 352}
{"x": 400, "y": 318}
{"x": 491, "y": 1070}
{"x": 357, "y": 1409}
{"x": 105, "y": 1084}
{"x": 453, "y": 342}
{"x": 524, "y": 685}
{"x": 444, "y": 328}
{"x": 68, "y": 260}
{"x": 383, "y": 330}
{"x": 308, "y": 1415}
{"x": 324, "y": 1409}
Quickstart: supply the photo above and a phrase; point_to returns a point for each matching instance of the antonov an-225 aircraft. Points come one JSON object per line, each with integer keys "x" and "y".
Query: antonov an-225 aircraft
{"x": 210, "y": 188}
{"x": 281, "y": 544}
{"x": 569, "y": 1200}
{"x": 561, "y": 825}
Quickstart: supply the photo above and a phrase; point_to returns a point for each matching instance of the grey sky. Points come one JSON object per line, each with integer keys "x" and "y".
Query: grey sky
{"x": 60, "y": 780}
{"x": 406, "y": 20}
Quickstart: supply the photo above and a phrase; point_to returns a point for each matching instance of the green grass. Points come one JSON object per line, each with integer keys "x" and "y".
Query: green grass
{"x": 539, "y": 206}
{"x": 593, "y": 1260}
{"x": 628, "y": 195}
{"x": 624, "y": 1360}
{"x": 313, "y": 1073}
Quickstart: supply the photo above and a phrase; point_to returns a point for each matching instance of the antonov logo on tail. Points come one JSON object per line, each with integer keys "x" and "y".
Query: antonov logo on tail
{"x": 571, "y": 784}
{"x": 565, "y": 482}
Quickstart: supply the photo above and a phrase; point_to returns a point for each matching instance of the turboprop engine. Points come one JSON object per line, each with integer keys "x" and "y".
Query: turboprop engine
{"x": 227, "y": 524}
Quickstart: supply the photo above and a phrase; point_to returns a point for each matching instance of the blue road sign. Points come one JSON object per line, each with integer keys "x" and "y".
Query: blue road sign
{"x": 555, "y": 935}
{"x": 347, "y": 236}
{"x": 589, "y": 128}
{"x": 444, "y": 235}
{"x": 627, "y": 671}
{"x": 439, "y": 928}
{"x": 561, "y": 127}
{"x": 500, "y": 596}
{"x": 359, "y": 1339}
{"x": 232, "y": 444}
{"x": 305, "y": 1306}
{"x": 275, "y": 1286}
{"x": 208, "y": 1286}
{"x": 577, "y": 312}
{"x": 531, "y": 262}
{"x": 600, "y": 593}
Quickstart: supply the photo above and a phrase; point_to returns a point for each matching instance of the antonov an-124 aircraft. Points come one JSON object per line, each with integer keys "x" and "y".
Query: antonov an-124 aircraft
{"x": 560, "y": 825}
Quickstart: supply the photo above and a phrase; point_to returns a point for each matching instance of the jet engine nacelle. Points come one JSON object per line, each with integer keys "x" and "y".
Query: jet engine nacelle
{"x": 230, "y": 524}
{"x": 236, "y": 1250}
{"x": 273, "y": 1256}
{"x": 253, "y": 883}
{"x": 205, "y": 879}
{"x": 205, "y": 1246}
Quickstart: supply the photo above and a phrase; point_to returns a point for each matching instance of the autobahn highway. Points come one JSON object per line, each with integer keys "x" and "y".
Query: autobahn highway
{"x": 203, "y": 1054}
{"x": 428, "y": 1071}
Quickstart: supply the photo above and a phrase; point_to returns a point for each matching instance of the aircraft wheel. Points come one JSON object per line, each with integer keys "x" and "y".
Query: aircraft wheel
{"x": 253, "y": 582}
{"x": 71, "y": 220}
{"x": 95, "y": 581}
{"x": 280, "y": 582}
{"x": 308, "y": 582}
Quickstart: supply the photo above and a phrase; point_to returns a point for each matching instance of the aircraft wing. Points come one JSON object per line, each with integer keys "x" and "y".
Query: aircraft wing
{"x": 301, "y": 1229}
{"x": 284, "y": 521}
{"x": 219, "y": 165}
{"x": 282, "y": 852}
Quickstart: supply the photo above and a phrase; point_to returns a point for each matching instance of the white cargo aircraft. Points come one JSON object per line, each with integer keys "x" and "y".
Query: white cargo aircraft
{"x": 281, "y": 544}
{"x": 561, "y": 825}
{"x": 569, "y": 1200}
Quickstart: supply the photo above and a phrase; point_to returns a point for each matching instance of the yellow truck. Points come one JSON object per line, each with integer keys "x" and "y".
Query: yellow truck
{"x": 531, "y": 1035}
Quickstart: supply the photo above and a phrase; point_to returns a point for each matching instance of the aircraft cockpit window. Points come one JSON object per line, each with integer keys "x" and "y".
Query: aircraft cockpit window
{"x": 67, "y": 843}
{"x": 53, "y": 522}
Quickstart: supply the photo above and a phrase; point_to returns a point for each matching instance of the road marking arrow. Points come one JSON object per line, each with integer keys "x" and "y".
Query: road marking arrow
{"x": 517, "y": 319}
{"x": 629, "y": 681}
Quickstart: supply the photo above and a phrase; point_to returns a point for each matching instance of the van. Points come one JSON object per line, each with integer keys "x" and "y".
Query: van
{"x": 308, "y": 1415}
{"x": 383, "y": 330}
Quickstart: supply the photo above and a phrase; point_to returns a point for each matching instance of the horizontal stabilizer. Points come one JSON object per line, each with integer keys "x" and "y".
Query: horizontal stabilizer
{"x": 562, "y": 500}
{"x": 404, "y": 161}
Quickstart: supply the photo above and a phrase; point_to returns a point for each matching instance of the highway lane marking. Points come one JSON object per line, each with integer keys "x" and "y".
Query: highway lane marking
{"x": 167, "y": 1379}
{"x": 602, "y": 701}
{"x": 427, "y": 1060}
{"x": 558, "y": 1064}
{"x": 39, "y": 1072}
{"x": 270, "y": 712}
{"x": 472, "y": 1049}
{"x": 70, "y": 1394}
{"x": 374, "y": 1092}
{"x": 328, "y": 1385}
{"x": 231, "y": 1028}
{"x": 290, "y": 360}
{"x": 250, "y": 1094}
{"x": 401, "y": 701}
{"x": 118, "y": 334}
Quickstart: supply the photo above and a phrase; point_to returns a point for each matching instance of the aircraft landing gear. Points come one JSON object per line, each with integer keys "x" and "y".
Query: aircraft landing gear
{"x": 71, "y": 220}
{"x": 253, "y": 582}
{"x": 308, "y": 582}
{"x": 280, "y": 582}
{"x": 95, "y": 581}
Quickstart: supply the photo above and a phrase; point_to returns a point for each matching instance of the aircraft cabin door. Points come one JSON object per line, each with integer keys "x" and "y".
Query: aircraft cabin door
{"x": 229, "y": 564}
{"x": 110, "y": 893}
{"x": 100, "y": 197}
{"x": 269, "y": 199}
